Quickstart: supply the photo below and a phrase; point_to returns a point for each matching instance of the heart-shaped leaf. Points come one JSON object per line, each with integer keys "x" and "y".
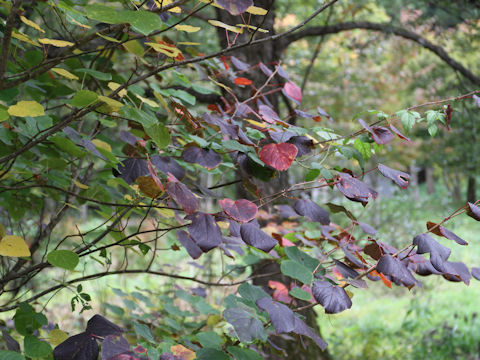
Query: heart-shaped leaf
{"x": 204, "y": 230}
{"x": 255, "y": 237}
{"x": 333, "y": 298}
{"x": 311, "y": 210}
{"x": 182, "y": 196}
{"x": 241, "y": 210}
{"x": 207, "y": 158}
{"x": 278, "y": 156}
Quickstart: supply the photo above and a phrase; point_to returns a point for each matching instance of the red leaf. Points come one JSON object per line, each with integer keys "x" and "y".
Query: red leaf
{"x": 317, "y": 118}
{"x": 278, "y": 156}
{"x": 448, "y": 115}
{"x": 242, "y": 81}
{"x": 387, "y": 282}
{"x": 281, "y": 291}
{"x": 293, "y": 92}
{"x": 240, "y": 210}
{"x": 223, "y": 59}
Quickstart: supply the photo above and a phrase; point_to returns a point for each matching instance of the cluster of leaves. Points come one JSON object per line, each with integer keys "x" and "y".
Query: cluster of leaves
{"x": 95, "y": 135}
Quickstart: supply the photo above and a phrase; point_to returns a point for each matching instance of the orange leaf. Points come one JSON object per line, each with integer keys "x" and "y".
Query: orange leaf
{"x": 242, "y": 81}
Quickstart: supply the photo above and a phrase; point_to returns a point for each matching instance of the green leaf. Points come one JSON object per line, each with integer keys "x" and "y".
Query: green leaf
{"x": 84, "y": 98}
{"x": 102, "y": 13}
{"x": 35, "y": 348}
{"x": 312, "y": 175}
{"x": 142, "y": 21}
{"x": 296, "y": 271}
{"x": 432, "y": 130}
{"x": 138, "y": 115}
{"x": 96, "y": 74}
{"x": 144, "y": 331}
{"x": 159, "y": 135}
{"x": 67, "y": 146}
{"x": 64, "y": 259}
{"x": 3, "y": 115}
{"x": 10, "y": 355}
{"x": 251, "y": 292}
{"x": 302, "y": 258}
{"x": 243, "y": 354}
{"x": 363, "y": 148}
{"x": 183, "y": 95}
{"x": 300, "y": 294}
{"x": 408, "y": 119}
{"x": 211, "y": 354}
{"x": 210, "y": 339}
{"x": 27, "y": 320}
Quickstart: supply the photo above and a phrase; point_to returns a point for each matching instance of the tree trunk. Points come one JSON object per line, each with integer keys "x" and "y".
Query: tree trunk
{"x": 471, "y": 189}
{"x": 268, "y": 53}
{"x": 430, "y": 180}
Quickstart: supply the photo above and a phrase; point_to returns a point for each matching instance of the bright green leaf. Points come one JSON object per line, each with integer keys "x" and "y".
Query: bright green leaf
{"x": 296, "y": 271}
{"x": 65, "y": 259}
{"x": 84, "y": 98}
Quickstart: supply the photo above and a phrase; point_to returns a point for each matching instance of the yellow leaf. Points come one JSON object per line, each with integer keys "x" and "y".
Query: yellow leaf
{"x": 114, "y": 86}
{"x": 147, "y": 101}
{"x": 166, "y": 213}
{"x": 253, "y": 28}
{"x": 223, "y": 224}
{"x": 73, "y": 21}
{"x": 72, "y": 206}
{"x": 13, "y": 246}
{"x": 188, "y": 28}
{"x": 148, "y": 186}
{"x": 162, "y": 101}
{"x": 80, "y": 185}
{"x": 226, "y": 26}
{"x": 349, "y": 293}
{"x": 26, "y": 108}
{"x": 134, "y": 47}
{"x": 65, "y": 73}
{"x": 31, "y": 24}
{"x": 256, "y": 123}
{"x": 182, "y": 352}
{"x": 161, "y": 3}
{"x": 114, "y": 104}
{"x": 102, "y": 145}
{"x": 170, "y": 51}
{"x": 57, "y": 336}
{"x": 212, "y": 3}
{"x": 22, "y": 37}
{"x": 220, "y": 84}
{"x": 213, "y": 320}
{"x": 255, "y": 10}
{"x": 54, "y": 42}
{"x": 108, "y": 38}
{"x": 188, "y": 43}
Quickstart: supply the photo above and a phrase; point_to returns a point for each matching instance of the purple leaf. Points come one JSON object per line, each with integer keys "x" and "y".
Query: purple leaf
{"x": 399, "y": 134}
{"x": 345, "y": 270}
{"x": 477, "y": 100}
{"x": 311, "y": 210}
{"x": 380, "y": 135}
{"x": 187, "y": 242}
{"x": 444, "y": 232}
{"x": 182, "y": 196}
{"x": 99, "y": 326}
{"x": 131, "y": 168}
{"x": 129, "y": 138}
{"x": 72, "y": 134}
{"x": 207, "y": 158}
{"x": 282, "y": 72}
{"x": 423, "y": 267}
{"x": 476, "y": 273}
{"x": 426, "y": 244}
{"x": 78, "y": 347}
{"x": 91, "y": 147}
{"x": 283, "y": 318}
{"x": 460, "y": 273}
{"x": 391, "y": 266}
{"x": 204, "y": 231}
{"x": 400, "y": 178}
{"x": 113, "y": 345}
{"x": 354, "y": 189}
{"x": 303, "y": 329}
{"x": 11, "y": 343}
{"x": 303, "y": 144}
{"x": 280, "y": 136}
{"x": 235, "y": 7}
{"x": 473, "y": 211}
{"x": 167, "y": 165}
{"x": 265, "y": 69}
{"x": 240, "y": 65}
{"x": 255, "y": 237}
{"x": 268, "y": 114}
{"x": 286, "y": 211}
{"x": 333, "y": 298}
{"x": 367, "y": 229}
{"x": 246, "y": 324}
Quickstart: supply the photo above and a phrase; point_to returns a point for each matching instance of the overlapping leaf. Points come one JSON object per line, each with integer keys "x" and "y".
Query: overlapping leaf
{"x": 182, "y": 196}
{"x": 333, "y": 298}
{"x": 255, "y": 237}
{"x": 240, "y": 210}
{"x": 392, "y": 266}
{"x": 207, "y": 158}
{"x": 246, "y": 324}
{"x": 204, "y": 230}
{"x": 189, "y": 244}
{"x": 311, "y": 210}
{"x": 354, "y": 189}
{"x": 444, "y": 232}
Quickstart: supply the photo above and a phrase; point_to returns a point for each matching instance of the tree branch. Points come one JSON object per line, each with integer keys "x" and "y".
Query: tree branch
{"x": 7, "y": 37}
{"x": 385, "y": 28}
